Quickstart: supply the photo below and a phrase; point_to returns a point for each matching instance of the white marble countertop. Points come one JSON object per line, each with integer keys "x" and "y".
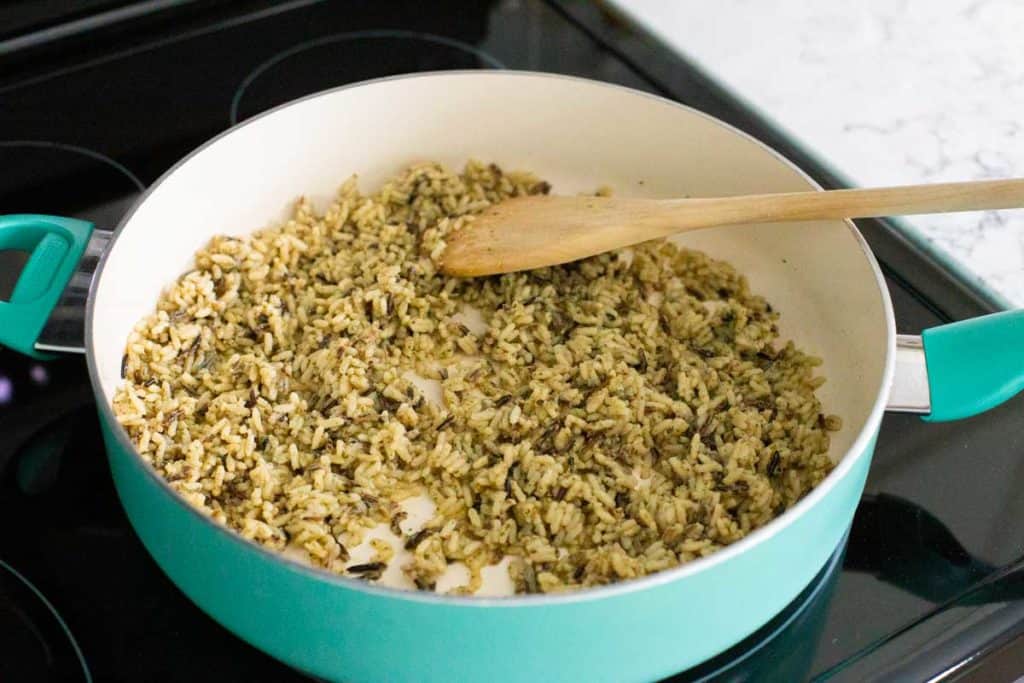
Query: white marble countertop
{"x": 886, "y": 92}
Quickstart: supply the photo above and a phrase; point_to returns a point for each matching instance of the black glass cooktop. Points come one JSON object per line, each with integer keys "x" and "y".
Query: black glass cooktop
{"x": 93, "y": 107}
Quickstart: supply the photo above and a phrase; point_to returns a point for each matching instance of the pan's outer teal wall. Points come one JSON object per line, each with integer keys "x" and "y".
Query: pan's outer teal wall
{"x": 336, "y": 630}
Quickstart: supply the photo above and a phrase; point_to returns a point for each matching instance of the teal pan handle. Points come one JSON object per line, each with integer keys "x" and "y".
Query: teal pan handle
{"x": 55, "y": 246}
{"x": 974, "y": 365}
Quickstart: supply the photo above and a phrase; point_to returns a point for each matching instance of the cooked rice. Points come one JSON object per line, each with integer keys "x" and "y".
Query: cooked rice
{"x": 619, "y": 416}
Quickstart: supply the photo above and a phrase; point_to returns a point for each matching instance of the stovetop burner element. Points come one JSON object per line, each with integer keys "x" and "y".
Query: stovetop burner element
{"x": 59, "y": 179}
{"x": 331, "y": 61}
{"x": 38, "y": 645}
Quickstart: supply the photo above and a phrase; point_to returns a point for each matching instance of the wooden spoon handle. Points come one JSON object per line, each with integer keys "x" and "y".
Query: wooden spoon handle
{"x": 857, "y": 203}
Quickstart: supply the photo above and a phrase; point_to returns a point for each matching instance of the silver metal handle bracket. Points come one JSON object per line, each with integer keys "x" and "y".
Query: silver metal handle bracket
{"x": 910, "y": 392}
{"x": 64, "y": 331}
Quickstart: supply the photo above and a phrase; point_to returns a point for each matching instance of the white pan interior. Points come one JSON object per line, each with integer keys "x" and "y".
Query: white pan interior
{"x": 577, "y": 134}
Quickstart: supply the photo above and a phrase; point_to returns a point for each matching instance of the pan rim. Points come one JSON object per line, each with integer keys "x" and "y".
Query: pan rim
{"x": 858, "y": 449}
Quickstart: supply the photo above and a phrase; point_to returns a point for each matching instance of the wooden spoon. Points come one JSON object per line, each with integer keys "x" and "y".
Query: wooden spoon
{"x": 531, "y": 232}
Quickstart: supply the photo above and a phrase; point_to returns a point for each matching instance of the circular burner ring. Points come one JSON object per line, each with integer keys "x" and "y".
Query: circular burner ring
{"x": 435, "y": 39}
{"x": 48, "y": 177}
{"x": 32, "y": 607}
{"x": 85, "y": 151}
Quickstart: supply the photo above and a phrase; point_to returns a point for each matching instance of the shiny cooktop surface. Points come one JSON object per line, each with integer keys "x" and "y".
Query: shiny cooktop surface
{"x": 96, "y": 105}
